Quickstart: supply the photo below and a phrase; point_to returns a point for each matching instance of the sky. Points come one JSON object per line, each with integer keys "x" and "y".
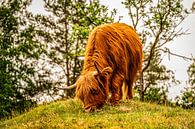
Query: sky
{"x": 184, "y": 45}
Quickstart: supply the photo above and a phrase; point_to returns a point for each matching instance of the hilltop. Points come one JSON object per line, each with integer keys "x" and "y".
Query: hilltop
{"x": 129, "y": 114}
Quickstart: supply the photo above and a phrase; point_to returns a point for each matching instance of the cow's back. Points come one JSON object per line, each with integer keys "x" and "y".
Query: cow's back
{"x": 116, "y": 45}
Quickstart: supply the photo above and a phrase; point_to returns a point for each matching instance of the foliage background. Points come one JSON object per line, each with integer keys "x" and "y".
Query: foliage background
{"x": 41, "y": 53}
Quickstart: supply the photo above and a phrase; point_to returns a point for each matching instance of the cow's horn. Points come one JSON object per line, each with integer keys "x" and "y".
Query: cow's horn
{"x": 67, "y": 87}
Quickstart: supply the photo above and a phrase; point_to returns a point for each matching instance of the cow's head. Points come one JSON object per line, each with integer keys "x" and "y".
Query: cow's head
{"x": 92, "y": 88}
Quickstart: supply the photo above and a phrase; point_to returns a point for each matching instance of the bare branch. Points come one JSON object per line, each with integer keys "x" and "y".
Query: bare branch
{"x": 60, "y": 50}
{"x": 170, "y": 53}
{"x": 146, "y": 87}
{"x": 174, "y": 34}
{"x": 131, "y": 15}
{"x": 152, "y": 50}
{"x": 137, "y": 17}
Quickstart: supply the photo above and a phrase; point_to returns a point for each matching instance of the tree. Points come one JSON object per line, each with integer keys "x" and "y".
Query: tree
{"x": 18, "y": 51}
{"x": 157, "y": 22}
{"x": 191, "y": 73}
{"x": 187, "y": 98}
{"x": 65, "y": 32}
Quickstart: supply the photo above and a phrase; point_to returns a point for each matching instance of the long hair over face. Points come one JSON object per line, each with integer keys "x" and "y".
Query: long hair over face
{"x": 92, "y": 89}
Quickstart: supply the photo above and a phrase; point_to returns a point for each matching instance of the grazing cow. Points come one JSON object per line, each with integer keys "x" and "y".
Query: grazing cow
{"x": 113, "y": 57}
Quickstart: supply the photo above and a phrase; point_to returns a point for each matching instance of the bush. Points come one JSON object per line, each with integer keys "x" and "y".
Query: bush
{"x": 187, "y": 99}
{"x": 156, "y": 94}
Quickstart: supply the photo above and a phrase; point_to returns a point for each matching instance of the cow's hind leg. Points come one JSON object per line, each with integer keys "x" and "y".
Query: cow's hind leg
{"x": 130, "y": 84}
{"x": 130, "y": 91}
{"x": 116, "y": 89}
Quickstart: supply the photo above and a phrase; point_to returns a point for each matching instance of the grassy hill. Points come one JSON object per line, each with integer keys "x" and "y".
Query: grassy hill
{"x": 132, "y": 114}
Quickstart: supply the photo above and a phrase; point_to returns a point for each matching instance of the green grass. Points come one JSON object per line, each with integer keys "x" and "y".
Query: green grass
{"x": 129, "y": 114}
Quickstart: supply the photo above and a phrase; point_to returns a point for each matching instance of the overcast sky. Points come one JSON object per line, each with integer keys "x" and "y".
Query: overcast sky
{"x": 184, "y": 45}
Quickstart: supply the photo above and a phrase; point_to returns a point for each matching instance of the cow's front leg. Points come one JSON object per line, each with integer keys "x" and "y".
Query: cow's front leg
{"x": 115, "y": 89}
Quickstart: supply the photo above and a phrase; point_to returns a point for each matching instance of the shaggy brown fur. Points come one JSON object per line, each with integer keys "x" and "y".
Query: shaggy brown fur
{"x": 113, "y": 56}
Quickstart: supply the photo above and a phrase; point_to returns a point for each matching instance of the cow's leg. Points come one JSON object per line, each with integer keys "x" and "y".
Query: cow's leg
{"x": 121, "y": 91}
{"x": 116, "y": 89}
{"x": 124, "y": 90}
{"x": 130, "y": 91}
{"x": 130, "y": 84}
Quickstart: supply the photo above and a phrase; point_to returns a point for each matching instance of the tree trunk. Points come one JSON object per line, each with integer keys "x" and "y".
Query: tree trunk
{"x": 141, "y": 90}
